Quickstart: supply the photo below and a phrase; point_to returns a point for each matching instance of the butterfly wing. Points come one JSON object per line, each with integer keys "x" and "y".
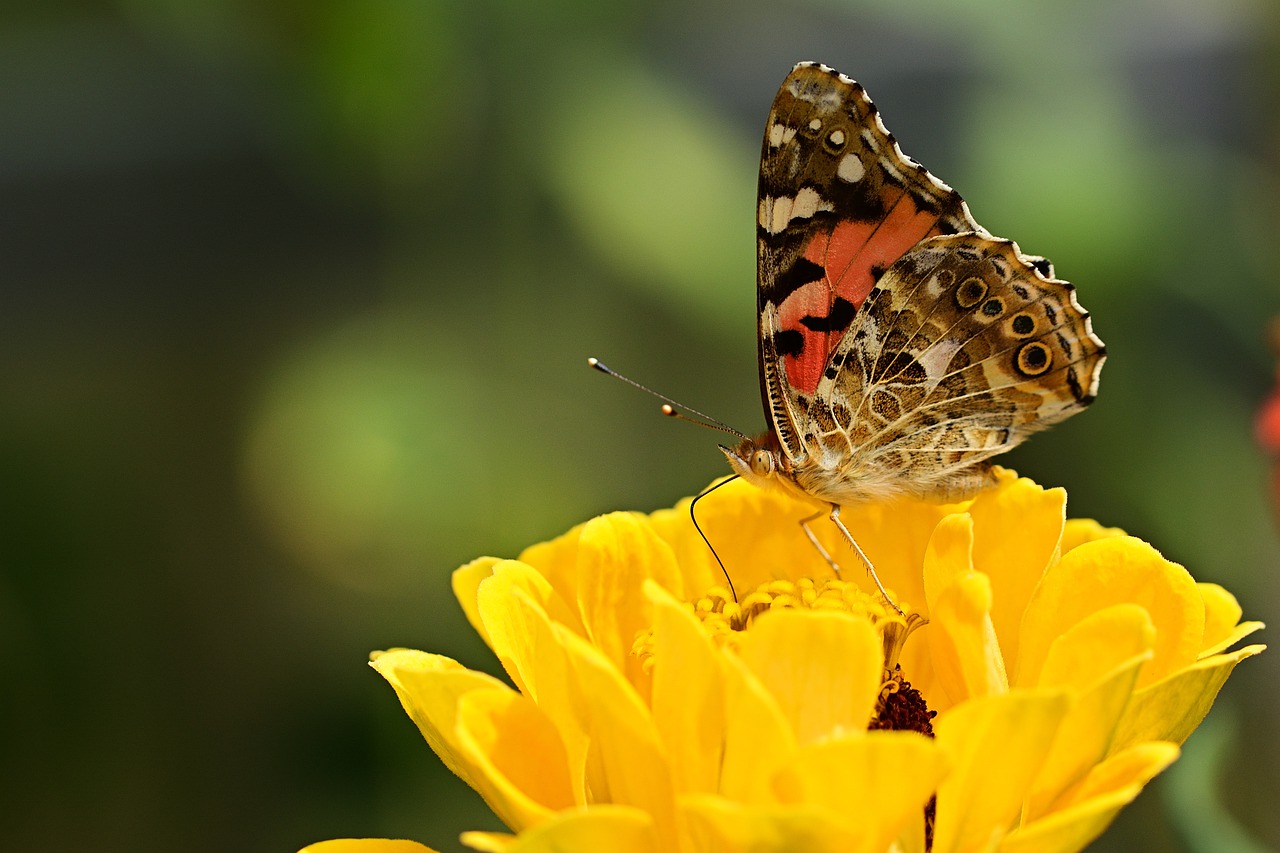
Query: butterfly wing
{"x": 901, "y": 345}
{"x": 960, "y": 352}
{"x": 839, "y": 203}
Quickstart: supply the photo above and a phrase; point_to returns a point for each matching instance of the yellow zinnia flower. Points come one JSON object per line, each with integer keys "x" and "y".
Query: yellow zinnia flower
{"x": 1061, "y": 666}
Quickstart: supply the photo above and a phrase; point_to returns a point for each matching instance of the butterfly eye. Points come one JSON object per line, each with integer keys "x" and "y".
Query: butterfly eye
{"x": 762, "y": 463}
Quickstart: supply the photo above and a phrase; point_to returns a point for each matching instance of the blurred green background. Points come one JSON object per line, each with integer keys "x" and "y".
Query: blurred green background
{"x": 296, "y": 302}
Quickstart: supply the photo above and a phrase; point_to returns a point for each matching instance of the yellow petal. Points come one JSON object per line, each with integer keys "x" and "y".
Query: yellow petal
{"x": 1017, "y": 530}
{"x": 733, "y": 508}
{"x": 512, "y": 627}
{"x": 775, "y": 549}
{"x": 688, "y": 693}
{"x": 488, "y": 842}
{"x": 1237, "y": 634}
{"x": 466, "y": 585}
{"x": 822, "y": 667}
{"x": 557, "y": 561}
{"x": 875, "y": 783}
{"x": 518, "y": 750}
{"x": 511, "y": 603}
{"x": 948, "y": 555}
{"x": 1099, "y": 659}
{"x": 725, "y": 826}
{"x": 1170, "y": 710}
{"x": 995, "y": 746}
{"x": 1078, "y": 531}
{"x": 1221, "y": 613}
{"x": 429, "y": 687}
{"x": 1115, "y": 570}
{"x": 1084, "y": 737}
{"x": 894, "y": 536}
{"x": 629, "y": 764}
{"x": 1097, "y": 645}
{"x": 434, "y": 691}
{"x": 966, "y": 655}
{"x": 617, "y": 553}
{"x": 1222, "y": 626}
{"x": 1093, "y": 805}
{"x": 366, "y": 845}
{"x": 758, "y": 738}
{"x": 598, "y": 828}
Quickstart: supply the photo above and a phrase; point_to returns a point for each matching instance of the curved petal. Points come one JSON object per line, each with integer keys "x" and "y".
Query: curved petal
{"x": 627, "y": 763}
{"x": 557, "y": 561}
{"x": 1222, "y": 625}
{"x": 1099, "y": 658}
{"x": 822, "y": 667}
{"x": 488, "y": 842}
{"x": 688, "y": 697}
{"x": 617, "y": 553}
{"x": 1097, "y": 645}
{"x": 875, "y": 783}
{"x": 1078, "y": 531}
{"x": 775, "y": 549}
{"x": 1115, "y": 570}
{"x": 513, "y": 627}
{"x": 522, "y": 636}
{"x": 1108, "y": 788}
{"x": 1017, "y": 531}
{"x": 966, "y": 654}
{"x": 757, "y": 738}
{"x": 519, "y": 752}
{"x": 1170, "y": 710}
{"x": 1084, "y": 737}
{"x": 366, "y": 845}
{"x": 429, "y": 687}
{"x": 435, "y": 692}
{"x": 715, "y": 823}
{"x": 894, "y": 535}
{"x": 602, "y": 827}
{"x": 466, "y": 582}
{"x": 995, "y": 745}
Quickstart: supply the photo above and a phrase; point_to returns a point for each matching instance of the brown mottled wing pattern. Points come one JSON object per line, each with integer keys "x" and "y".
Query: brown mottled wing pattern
{"x": 960, "y": 352}
{"x": 839, "y": 203}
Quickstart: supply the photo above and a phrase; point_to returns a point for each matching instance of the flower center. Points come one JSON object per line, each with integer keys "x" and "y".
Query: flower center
{"x": 724, "y": 619}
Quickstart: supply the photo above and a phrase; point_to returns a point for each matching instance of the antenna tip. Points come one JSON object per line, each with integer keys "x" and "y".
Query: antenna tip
{"x": 595, "y": 363}
{"x": 669, "y": 411}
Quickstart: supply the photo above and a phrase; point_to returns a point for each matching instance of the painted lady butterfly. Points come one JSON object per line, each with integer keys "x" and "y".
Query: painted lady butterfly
{"x": 901, "y": 344}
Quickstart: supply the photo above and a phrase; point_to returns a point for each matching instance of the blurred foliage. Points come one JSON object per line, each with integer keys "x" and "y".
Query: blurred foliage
{"x": 297, "y": 301}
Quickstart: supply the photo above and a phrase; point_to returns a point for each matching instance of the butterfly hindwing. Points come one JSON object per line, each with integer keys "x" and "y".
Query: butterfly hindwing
{"x": 961, "y": 351}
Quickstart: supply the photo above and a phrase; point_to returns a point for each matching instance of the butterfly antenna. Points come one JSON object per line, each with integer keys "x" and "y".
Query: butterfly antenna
{"x": 698, "y": 527}
{"x": 672, "y": 409}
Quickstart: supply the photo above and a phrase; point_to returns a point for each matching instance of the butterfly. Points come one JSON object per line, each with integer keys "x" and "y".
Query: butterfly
{"x": 901, "y": 345}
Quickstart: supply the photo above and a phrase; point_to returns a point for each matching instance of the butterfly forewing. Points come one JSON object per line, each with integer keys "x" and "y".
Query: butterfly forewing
{"x": 838, "y": 204}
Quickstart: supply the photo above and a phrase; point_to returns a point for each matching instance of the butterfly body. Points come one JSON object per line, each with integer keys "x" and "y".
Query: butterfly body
{"x": 901, "y": 345}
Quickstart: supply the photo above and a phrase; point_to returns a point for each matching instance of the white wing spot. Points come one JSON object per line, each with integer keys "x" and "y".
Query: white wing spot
{"x": 780, "y": 134}
{"x": 807, "y": 203}
{"x": 775, "y": 214}
{"x": 815, "y": 125}
{"x": 836, "y": 138}
{"x": 850, "y": 169}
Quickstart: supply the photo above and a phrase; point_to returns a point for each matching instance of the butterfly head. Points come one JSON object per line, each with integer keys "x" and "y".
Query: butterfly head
{"x": 759, "y": 461}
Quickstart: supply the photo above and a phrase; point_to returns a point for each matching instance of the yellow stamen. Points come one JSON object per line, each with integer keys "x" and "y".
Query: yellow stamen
{"x": 723, "y": 618}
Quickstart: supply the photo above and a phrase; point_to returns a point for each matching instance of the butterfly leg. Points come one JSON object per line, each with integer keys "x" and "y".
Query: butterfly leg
{"x": 813, "y": 540}
{"x": 871, "y": 570}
